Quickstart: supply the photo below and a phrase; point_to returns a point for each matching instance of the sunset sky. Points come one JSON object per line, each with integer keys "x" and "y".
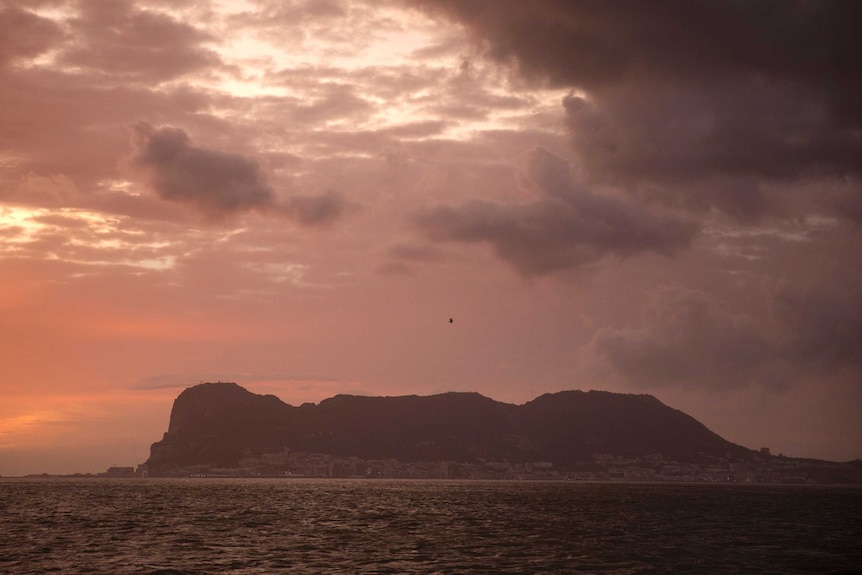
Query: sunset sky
{"x": 641, "y": 197}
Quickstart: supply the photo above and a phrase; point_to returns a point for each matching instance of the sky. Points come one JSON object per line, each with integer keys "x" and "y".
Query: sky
{"x": 640, "y": 197}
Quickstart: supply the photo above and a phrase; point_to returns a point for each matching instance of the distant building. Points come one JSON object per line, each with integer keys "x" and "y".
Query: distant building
{"x": 120, "y": 472}
{"x": 764, "y": 451}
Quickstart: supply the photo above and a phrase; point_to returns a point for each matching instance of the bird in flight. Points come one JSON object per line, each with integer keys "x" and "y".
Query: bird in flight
{"x": 451, "y": 320}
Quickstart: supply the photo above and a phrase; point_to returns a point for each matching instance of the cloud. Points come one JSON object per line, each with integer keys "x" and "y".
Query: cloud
{"x": 118, "y": 39}
{"x": 317, "y": 210}
{"x": 825, "y": 323}
{"x": 401, "y": 258}
{"x": 415, "y": 253}
{"x": 177, "y": 380}
{"x": 24, "y": 34}
{"x": 74, "y": 124}
{"x": 697, "y": 104}
{"x": 216, "y": 182}
{"x": 220, "y": 184}
{"x": 691, "y": 339}
{"x": 589, "y": 43}
{"x": 566, "y": 227}
{"x": 714, "y": 146}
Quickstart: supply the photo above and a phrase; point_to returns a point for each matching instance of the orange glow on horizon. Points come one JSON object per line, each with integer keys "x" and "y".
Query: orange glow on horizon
{"x": 52, "y": 420}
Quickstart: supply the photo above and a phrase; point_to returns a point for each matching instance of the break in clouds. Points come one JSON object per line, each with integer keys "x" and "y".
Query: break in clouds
{"x": 217, "y": 183}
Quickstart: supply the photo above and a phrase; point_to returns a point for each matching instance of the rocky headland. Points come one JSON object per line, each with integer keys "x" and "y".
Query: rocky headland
{"x": 223, "y": 429}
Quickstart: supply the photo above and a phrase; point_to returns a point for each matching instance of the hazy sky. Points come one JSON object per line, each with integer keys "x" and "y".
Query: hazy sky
{"x": 643, "y": 197}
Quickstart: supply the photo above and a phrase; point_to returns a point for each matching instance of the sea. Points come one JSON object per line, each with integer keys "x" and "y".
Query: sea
{"x": 328, "y": 526}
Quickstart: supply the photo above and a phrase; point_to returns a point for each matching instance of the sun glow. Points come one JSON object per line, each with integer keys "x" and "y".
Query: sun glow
{"x": 13, "y": 429}
{"x": 18, "y": 226}
{"x": 42, "y": 421}
{"x": 385, "y": 65}
{"x": 78, "y": 236}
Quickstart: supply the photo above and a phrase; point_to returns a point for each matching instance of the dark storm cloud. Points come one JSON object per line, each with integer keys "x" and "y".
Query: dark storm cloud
{"x": 714, "y": 146}
{"x": 220, "y": 183}
{"x": 566, "y": 227}
{"x": 697, "y": 103}
{"x": 748, "y": 109}
{"x": 590, "y": 43}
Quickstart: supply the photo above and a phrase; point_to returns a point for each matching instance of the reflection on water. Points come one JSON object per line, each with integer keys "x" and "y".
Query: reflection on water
{"x": 367, "y": 526}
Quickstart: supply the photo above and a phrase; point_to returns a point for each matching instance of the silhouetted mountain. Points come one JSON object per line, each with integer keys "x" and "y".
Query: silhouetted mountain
{"x": 217, "y": 423}
{"x": 571, "y": 426}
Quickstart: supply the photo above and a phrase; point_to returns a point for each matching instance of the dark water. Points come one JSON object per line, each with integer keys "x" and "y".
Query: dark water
{"x": 368, "y": 526}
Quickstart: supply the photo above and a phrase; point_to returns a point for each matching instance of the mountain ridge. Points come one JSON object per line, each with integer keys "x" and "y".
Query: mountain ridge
{"x": 217, "y": 424}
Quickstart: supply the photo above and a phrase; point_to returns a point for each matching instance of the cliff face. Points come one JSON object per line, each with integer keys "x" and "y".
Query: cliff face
{"x": 215, "y": 423}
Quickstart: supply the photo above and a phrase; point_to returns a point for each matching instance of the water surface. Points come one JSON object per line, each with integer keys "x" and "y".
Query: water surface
{"x": 197, "y": 526}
